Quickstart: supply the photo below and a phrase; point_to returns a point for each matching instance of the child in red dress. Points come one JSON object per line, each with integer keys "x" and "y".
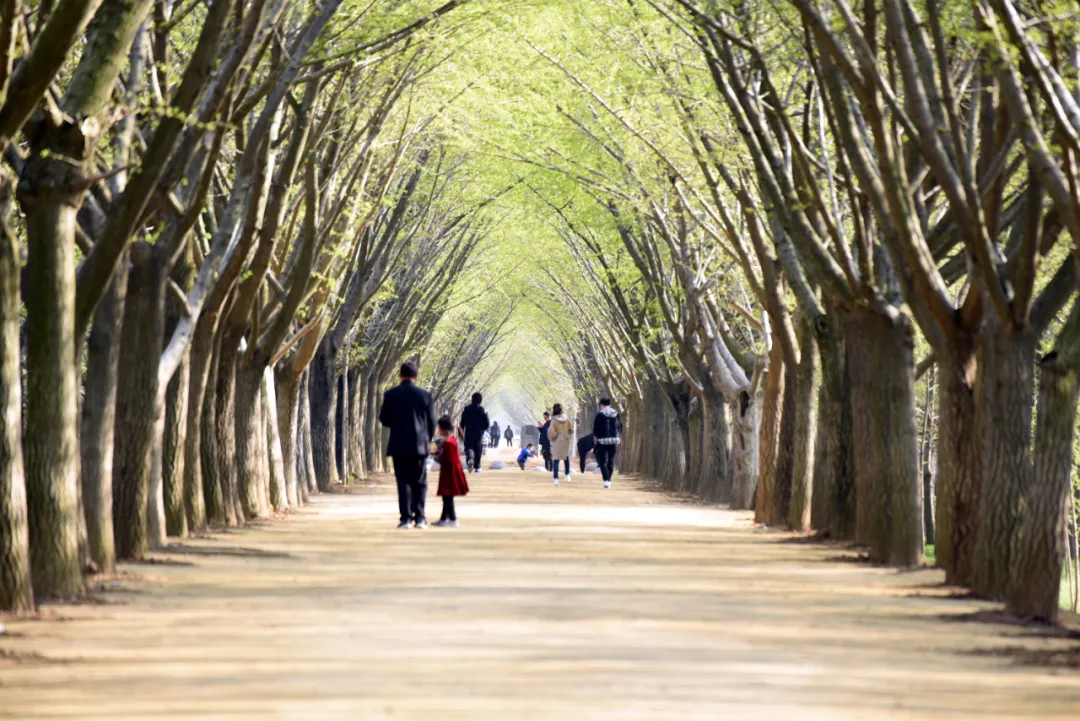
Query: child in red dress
{"x": 451, "y": 475}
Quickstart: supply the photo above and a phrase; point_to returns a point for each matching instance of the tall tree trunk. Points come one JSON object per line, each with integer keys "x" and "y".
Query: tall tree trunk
{"x": 341, "y": 428}
{"x": 358, "y": 408}
{"x": 199, "y": 362}
{"x": 97, "y": 429}
{"x": 225, "y": 431}
{"x": 880, "y": 365}
{"x": 50, "y": 442}
{"x": 679, "y": 469}
{"x": 805, "y": 441}
{"x": 770, "y": 452}
{"x": 1037, "y": 565}
{"x": 322, "y": 393}
{"x": 16, "y": 592}
{"x": 1004, "y": 394}
{"x": 372, "y": 433}
{"x": 138, "y": 403}
{"x": 278, "y": 495}
{"x": 715, "y": 448}
{"x": 249, "y": 452}
{"x": 745, "y": 453}
{"x": 173, "y": 449}
{"x": 305, "y": 457}
{"x": 655, "y": 432}
{"x": 833, "y": 501}
{"x": 217, "y": 513}
{"x": 695, "y": 478}
{"x": 959, "y": 464}
{"x": 288, "y": 400}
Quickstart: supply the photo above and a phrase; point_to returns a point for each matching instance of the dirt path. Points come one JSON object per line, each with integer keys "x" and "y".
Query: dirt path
{"x": 563, "y": 604}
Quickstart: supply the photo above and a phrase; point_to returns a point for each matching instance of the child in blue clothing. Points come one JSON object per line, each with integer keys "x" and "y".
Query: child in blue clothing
{"x": 526, "y": 454}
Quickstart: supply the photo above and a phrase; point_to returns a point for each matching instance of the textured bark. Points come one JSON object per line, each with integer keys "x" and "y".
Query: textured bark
{"x": 288, "y": 401}
{"x": 98, "y": 426}
{"x": 694, "y": 479}
{"x": 50, "y": 441}
{"x": 805, "y": 440}
{"x": 833, "y": 502}
{"x": 1004, "y": 395}
{"x": 1037, "y": 564}
{"x": 745, "y": 439}
{"x": 655, "y": 430}
{"x": 174, "y": 442}
{"x": 322, "y": 395}
{"x": 225, "y": 432}
{"x": 958, "y": 466}
{"x": 250, "y": 458}
{"x": 771, "y": 464}
{"x": 341, "y": 428}
{"x": 678, "y": 469}
{"x": 274, "y": 456}
{"x": 359, "y": 410}
{"x": 137, "y": 403}
{"x": 216, "y": 512}
{"x": 16, "y": 592}
{"x": 372, "y": 434}
{"x": 880, "y": 366}
{"x": 199, "y": 361}
{"x": 305, "y": 458}
{"x": 716, "y": 448}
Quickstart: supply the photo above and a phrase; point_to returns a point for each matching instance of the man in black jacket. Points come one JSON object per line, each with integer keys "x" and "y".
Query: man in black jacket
{"x": 408, "y": 412}
{"x": 474, "y": 421}
{"x": 607, "y": 434}
{"x": 545, "y": 442}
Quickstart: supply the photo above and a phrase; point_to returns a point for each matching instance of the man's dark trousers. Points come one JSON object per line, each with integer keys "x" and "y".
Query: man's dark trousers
{"x": 411, "y": 475}
{"x": 605, "y": 458}
{"x": 545, "y": 451}
{"x": 474, "y": 451}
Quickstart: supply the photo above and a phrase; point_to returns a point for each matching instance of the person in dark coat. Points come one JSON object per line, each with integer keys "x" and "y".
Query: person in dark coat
{"x": 508, "y": 434}
{"x": 474, "y": 421}
{"x": 584, "y": 445}
{"x": 408, "y": 412}
{"x": 494, "y": 435}
{"x": 545, "y": 442}
{"x": 452, "y": 481}
{"x": 607, "y": 432}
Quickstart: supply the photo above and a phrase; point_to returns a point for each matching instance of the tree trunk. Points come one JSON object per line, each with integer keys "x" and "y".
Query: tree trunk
{"x": 199, "y": 362}
{"x": 305, "y": 458}
{"x": 833, "y": 499}
{"x": 880, "y": 365}
{"x": 225, "y": 431}
{"x": 278, "y": 495}
{"x": 250, "y": 461}
{"x": 958, "y": 465}
{"x": 288, "y": 400}
{"x": 16, "y": 591}
{"x": 695, "y": 478}
{"x": 98, "y": 426}
{"x": 1003, "y": 403}
{"x": 805, "y": 441}
{"x": 358, "y": 408}
{"x": 1037, "y": 565}
{"x": 172, "y": 449}
{"x": 715, "y": 482}
{"x": 322, "y": 393}
{"x": 770, "y": 452}
{"x": 655, "y": 432}
{"x": 138, "y": 403}
{"x": 679, "y": 467}
{"x": 341, "y": 428}
{"x": 217, "y": 513}
{"x": 745, "y": 440}
{"x": 372, "y": 432}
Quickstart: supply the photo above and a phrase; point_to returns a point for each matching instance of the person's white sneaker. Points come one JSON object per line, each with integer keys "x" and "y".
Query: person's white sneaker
{"x": 607, "y": 484}
{"x": 556, "y": 481}
{"x": 568, "y": 478}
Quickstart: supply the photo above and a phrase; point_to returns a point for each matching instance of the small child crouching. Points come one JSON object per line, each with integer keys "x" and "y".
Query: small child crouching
{"x": 526, "y": 454}
{"x": 452, "y": 480}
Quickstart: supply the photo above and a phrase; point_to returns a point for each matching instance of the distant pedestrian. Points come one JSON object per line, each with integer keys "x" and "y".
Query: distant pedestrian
{"x": 584, "y": 445}
{"x": 452, "y": 481}
{"x": 474, "y": 421}
{"x": 408, "y": 413}
{"x": 545, "y": 442}
{"x": 494, "y": 435}
{"x": 607, "y": 430}
{"x": 524, "y": 456}
{"x": 508, "y": 434}
{"x": 561, "y": 435}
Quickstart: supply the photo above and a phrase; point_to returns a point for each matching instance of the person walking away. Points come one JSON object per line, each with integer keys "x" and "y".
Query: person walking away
{"x": 525, "y": 455}
{"x": 475, "y": 423}
{"x": 452, "y": 481}
{"x": 545, "y": 442}
{"x": 584, "y": 445}
{"x": 560, "y": 433}
{"x": 508, "y": 434}
{"x": 408, "y": 413}
{"x": 607, "y": 430}
{"x": 494, "y": 434}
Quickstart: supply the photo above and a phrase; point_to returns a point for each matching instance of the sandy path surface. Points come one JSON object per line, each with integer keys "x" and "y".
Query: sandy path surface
{"x": 562, "y": 604}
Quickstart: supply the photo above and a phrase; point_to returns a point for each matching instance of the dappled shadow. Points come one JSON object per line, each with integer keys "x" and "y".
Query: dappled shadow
{"x": 182, "y": 548}
{"x": 1058, "y": 658}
